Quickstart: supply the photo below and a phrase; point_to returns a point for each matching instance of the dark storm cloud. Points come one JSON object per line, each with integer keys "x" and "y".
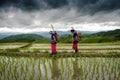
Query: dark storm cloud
{"x": 91, "y": 6}
{"x": 29, "y": 5}
{"x": 61, "y": 13}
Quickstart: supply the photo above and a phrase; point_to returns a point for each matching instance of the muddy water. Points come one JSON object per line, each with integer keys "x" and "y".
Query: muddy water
{"x": 82, "y": 68}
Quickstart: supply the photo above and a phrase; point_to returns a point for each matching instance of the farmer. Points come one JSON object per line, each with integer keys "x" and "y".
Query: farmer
{"x": 53, "y": 42}
{"x": 75, "y": 40}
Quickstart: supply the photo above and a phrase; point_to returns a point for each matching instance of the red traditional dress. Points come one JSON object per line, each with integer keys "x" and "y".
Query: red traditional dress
{"x": 75, "y": 42}
{"x": 53, "y": 44}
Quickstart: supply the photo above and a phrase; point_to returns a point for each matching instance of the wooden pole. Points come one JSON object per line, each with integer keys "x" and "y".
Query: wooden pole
{"x": 52, "y": 27}
{"x": 72, "y": 28}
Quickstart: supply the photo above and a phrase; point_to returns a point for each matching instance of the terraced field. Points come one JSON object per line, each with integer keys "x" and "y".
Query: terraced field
{"x": 98, "y": 48}
{"x": 11, "y": 45}
{"x": 63, "y": 48}
{"x": 31, "y": 61}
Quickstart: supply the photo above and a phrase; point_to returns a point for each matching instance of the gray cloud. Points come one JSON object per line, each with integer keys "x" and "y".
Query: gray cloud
{"x": 32, "y": 5}
{"x": 62, "y": 13}
{"x": 17, "y": 18}
{"x": 86, "y": 6}
{"x": 94, "y": 6}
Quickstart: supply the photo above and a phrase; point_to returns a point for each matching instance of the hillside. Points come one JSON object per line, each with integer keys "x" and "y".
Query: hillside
{"x": 107, "y": 33}
{"x": 66, "y": 37}
{"x": 108, "y": 36}
{"x": 6, "y": 34}
{"x": 100, "y": 37}
{"x": 45, "y": 34}
{"x": 22, "y": 38}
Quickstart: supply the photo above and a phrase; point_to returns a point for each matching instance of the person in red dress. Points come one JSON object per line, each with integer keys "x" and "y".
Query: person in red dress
{"x": 53, "y": 42}
{"x": 75, "y": 40}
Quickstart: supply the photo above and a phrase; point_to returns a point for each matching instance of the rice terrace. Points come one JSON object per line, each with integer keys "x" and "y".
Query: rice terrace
{"x": 59, "y": 39}
{"x": 31, "y": 61}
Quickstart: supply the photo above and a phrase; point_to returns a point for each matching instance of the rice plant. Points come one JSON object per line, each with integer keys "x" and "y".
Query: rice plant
{"x": 83, "y": 68}
{"x": 61, "y": 67}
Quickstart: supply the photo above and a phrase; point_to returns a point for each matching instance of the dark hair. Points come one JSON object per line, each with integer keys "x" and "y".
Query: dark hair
{"x": 50, "y": 32}
{"x": 72, "y": 30}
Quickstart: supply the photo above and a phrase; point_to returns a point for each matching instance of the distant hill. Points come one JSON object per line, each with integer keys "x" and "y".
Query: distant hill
{"x": 65, "y": 37}
{"x": 45, "y": 34}
{"x": 22, "y": 38}
{"x": 6, "y": 34}
{"x": 113, "y": 35}
{"x": 107, "y": 33}
{"x": 108, "y": 36}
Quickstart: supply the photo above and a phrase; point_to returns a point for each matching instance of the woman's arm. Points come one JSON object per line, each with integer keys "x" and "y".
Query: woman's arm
{"x": 54, "y": 39}
{"x": 77, "y": 38}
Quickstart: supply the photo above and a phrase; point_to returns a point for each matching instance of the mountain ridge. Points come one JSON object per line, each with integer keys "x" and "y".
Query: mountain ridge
{"x": 22, "y": 38}
{"x": 112, "y": 35}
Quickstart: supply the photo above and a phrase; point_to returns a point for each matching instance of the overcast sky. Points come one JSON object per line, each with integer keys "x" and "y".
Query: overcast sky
{"x": 38, "y": 15}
